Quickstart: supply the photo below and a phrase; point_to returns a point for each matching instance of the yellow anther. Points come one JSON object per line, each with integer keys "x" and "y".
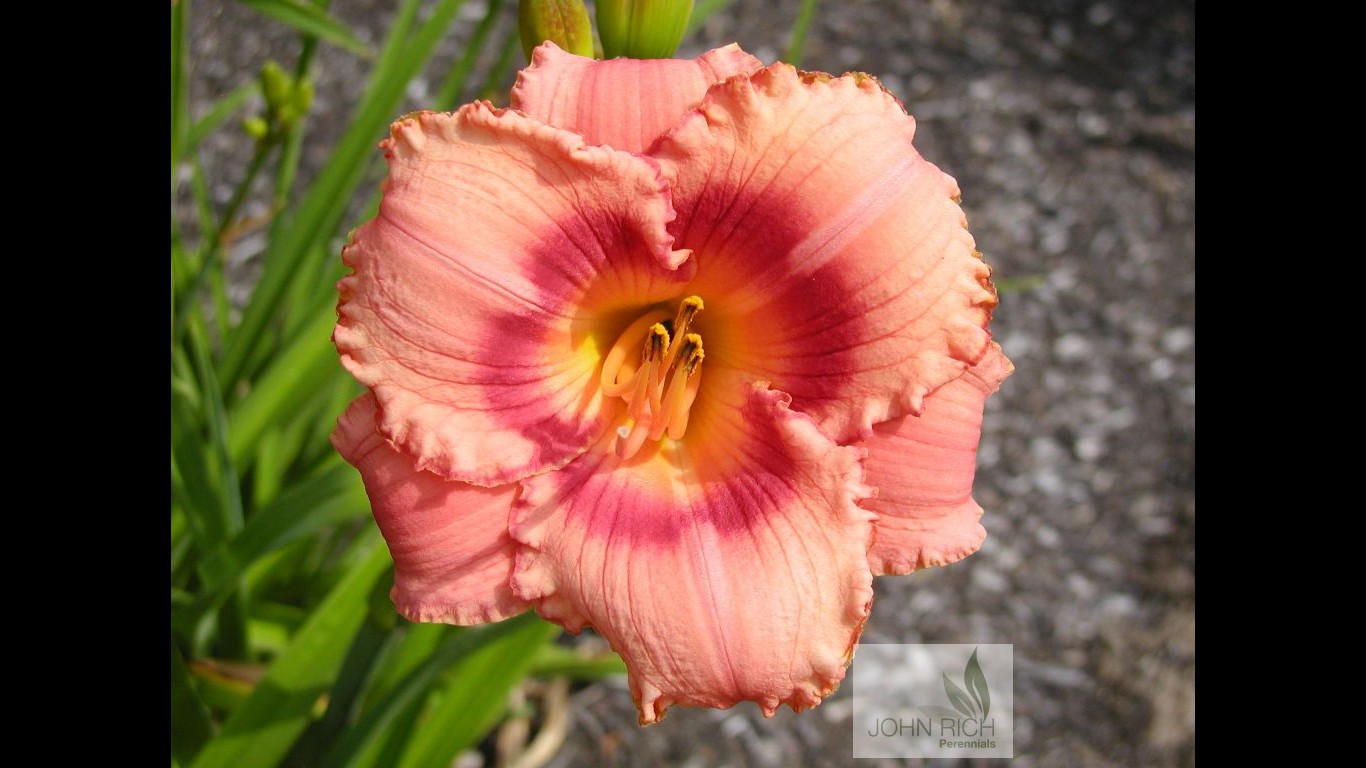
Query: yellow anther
{"x": 660, "y": 392}
{"x": 687, "y": 310}
{"x": 614, "y": 384}
{"x": 656, "y": 344}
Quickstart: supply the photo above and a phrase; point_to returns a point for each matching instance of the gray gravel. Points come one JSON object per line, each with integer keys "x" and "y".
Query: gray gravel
{"x": 1070, "y": 126}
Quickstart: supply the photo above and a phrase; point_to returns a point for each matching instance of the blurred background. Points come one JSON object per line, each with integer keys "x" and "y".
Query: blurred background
{"x": 1070, "y": 126}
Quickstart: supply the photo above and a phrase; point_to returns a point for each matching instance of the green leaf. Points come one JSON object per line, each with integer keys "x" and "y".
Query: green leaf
{"x": 229, "y": 491}
{"x": 261, "y": 731}
{"x": 293, "y": 375}
{"x": 957, "y": 697}
{"x": 418, "y": 643}
{"x": 703, "y": 10}
{"x": 310, "y": 20}
{"x": 1022, "y": 284}
{"x": 557, "y": 660}
{"x": 180, "y": 100}
{"x": 222, "y": 692}
{"x": 331, "y": 496}
{"x": 475, "y": 698}
{"x": 453, "y": 87}
{"x": 502, "y": 641}
{"x": 797, "y": 43}
{"x": 976, "y": 683}
{"x": 321, "y": 211}
{"x": 500, "y": 71}
{"x": 366, "y": 648}
{"x": 190, "y": 726}
{"x": 218, "y": 113}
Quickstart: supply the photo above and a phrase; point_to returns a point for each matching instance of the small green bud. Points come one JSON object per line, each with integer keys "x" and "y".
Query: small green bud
{"x": 302, "y": 97}
{"x": 256, "y": 127}
{"x": 562, "y": 22}
{"x": 275, "y": 85}
{"x": 642, "y": 29}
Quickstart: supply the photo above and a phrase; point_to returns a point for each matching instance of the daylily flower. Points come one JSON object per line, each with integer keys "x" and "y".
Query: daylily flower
{"x": 684, "y": 350}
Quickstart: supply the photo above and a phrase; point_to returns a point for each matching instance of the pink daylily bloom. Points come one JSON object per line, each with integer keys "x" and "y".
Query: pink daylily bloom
{"x": 687, "y": 351}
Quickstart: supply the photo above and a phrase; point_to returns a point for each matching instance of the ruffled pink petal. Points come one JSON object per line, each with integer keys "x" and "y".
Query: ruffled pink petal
{"x": 473, "y": 311}
{"x": 730, "y": 566}
{"x": 834, "y": 260}
{"x": 623, "y": 103}
{"x": 452, "y": 553}
{"x": 923, "y": 468}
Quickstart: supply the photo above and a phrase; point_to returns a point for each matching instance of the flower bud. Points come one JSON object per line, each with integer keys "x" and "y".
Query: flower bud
{"x": 562, "y": 22}
{"x": 256, "y": 128}
{"x": 287, "y": 101}
{"x": 642, "y": 29}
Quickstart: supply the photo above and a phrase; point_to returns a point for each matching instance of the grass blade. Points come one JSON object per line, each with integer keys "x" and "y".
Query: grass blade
{"x": 310, "y": 20}
{"x": 476, "y": 697}
{"x": 703, "y": 10}
{"x": 296, "y": 372}
{"x": 366, "y": 649}
{"x": 556, "y": 660}
{"x": 478, "y": 646}
{"x": 321, "y": 211}
{"x": 453, "y": 87}
{"x": 262, "y": 730}
{"x": 797, "y": 43}
{"x": 180, "y": 99}
{"x": 327, "y": 498}
{"x": 190, "y": 726}
{"x": 419, "y": 642}
{"x": 219, "y": 113}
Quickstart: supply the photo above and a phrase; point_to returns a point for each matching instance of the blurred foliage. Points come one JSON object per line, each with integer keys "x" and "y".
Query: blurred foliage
{"x": 285, "y": 648}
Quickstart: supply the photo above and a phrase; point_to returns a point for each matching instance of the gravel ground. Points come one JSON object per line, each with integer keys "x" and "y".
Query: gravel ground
{"x": 1070, "y": 126}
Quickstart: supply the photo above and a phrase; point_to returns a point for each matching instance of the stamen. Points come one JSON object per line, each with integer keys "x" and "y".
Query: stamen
{"x": 678, "y": 415}
{"x": 687, "y": 310}
{"x": 629, "y": 341}
{"x": 646, "y": 390}
{"x": 660, "y": 391}
{"x": 674, "y": 416}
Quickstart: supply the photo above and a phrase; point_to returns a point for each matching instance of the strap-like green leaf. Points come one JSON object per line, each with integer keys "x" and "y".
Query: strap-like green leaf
{"x": 320, "y": 213}
{"x": 796, "y": 45}
{"x": 189, "y": 717}
{"x": 310, "y": 20}
{"x": 486, "y": 694}
{"x": 474, "y": 699}
{"x": 262, "y": 730}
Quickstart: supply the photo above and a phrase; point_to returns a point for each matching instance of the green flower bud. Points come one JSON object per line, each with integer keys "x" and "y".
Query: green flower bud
{"x": 642, "y": 29}
{"x": 287, "y": 102}
{"x": 255, "y": 128}
{"x": 275, "y": 85}
{"x": 562, "y": 22}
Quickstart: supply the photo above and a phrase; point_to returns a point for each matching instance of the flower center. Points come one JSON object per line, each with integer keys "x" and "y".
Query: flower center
{"x": 660, "y": 388}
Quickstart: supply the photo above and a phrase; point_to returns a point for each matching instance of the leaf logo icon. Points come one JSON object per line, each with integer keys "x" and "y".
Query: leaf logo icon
{"x": 976, "y": 702}
{"x": 976, "y": 683}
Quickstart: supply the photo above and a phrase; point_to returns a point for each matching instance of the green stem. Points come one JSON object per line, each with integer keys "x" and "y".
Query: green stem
{"x": 288, "y": 167}
{"x": 491, "y": 90}
{"x": 454, "y": 84}
{"x": 797, "y": 44}
{"x": 214, "y": 244}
